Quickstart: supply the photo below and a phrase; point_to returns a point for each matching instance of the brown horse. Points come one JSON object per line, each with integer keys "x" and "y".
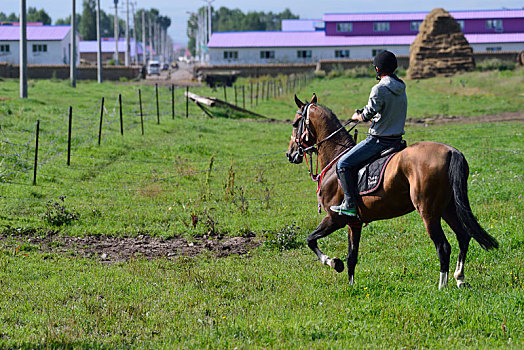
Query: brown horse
{"x": 428, "y": 177}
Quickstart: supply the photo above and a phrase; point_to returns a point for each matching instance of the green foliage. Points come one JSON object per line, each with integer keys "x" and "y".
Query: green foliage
{"x": 495, "y": 64}
{"x": 57, "y": 214}
{"x": 34, "y": 15}
{"x": 286, "y": 238}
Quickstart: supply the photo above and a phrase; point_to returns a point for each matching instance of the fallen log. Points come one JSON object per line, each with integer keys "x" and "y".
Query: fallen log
{"x": 216, "y": 102}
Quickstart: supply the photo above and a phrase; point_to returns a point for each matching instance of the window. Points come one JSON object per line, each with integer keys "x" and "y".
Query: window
{"x": 344, "y": 27}
{"x": 494, "y": 49}
{"x": 381, "y": 27}
{"x": 461, "y": 24}
{"x": 304, "y": 53}
{"x": 415, "y": 26}
{"x": 375, "y": 52}
{"x": 266, "y": 55}
{"x": 494, "y": 24}
{"x": 230, "y": 55}
{"x": 342, "y": 53}
{"x": 4, "y": 48}
{"x": 40, "y": 48}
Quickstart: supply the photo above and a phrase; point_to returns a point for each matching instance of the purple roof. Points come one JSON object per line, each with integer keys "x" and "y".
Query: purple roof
{"x": 87, "y": 46}
{"x": 35, "y": 32}
{"x": 419, "y": 16}
{"x": 320, "y": 39}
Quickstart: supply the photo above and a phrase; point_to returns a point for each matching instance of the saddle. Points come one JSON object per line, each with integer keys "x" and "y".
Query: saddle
{"x": 371, "y": 175}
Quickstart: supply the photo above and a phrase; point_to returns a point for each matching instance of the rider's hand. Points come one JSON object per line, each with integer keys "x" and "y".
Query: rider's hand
{"x": 357, "y": 116}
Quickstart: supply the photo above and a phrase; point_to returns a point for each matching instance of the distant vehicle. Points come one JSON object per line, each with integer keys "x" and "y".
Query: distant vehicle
{"x": 165, "y": 66}
{"x": 153, "y": 67}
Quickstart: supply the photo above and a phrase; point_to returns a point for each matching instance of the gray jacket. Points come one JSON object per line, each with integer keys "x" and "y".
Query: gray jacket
{"x": 387, "y": 108}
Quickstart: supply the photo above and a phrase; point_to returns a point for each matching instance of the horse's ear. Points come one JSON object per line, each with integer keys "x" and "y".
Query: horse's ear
{"x": 314, "y": 98}
{"x": 299, "y": 103}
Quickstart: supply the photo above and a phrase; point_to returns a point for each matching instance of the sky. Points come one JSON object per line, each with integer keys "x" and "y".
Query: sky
{"x": 306, "y": 9}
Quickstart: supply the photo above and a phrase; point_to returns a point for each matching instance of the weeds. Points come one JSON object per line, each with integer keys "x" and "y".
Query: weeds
{"x": 56, "y": 213}
{"x": 285, "y": 239}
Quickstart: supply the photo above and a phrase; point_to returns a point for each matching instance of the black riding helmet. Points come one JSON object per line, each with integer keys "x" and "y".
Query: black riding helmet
{"x": 386, "y": 62}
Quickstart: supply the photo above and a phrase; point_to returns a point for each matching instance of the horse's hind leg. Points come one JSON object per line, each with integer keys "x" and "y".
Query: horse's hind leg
{"x": 436, "y": 234}
{"x": 463, "y": 239}
{"x": 354, "y": 241}
{"x": 326, "y": 227}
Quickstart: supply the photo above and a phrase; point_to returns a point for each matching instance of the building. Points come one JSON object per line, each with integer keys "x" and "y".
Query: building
{"x": 88, "y": 50}
{"x": 361, "y": 36}
{"x": 45, "y": 44}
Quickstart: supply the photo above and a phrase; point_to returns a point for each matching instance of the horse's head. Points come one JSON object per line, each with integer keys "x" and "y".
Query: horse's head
{"x": 303, "y": 135}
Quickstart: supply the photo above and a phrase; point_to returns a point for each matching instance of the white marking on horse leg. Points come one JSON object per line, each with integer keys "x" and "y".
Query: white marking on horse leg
{"x": 351, "y": 280}
{"x": 443, "y": 280}
{"x": 324, "y": 259}
{"x": 459, "y": 274}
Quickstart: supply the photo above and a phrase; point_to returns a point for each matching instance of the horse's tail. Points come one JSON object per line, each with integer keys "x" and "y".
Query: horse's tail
{"x": 458, "y": 177}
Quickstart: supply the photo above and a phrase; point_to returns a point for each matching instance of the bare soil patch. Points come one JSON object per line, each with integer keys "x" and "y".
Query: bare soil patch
{"x": 116, "y": 249}
{"x": 444, "y": 119}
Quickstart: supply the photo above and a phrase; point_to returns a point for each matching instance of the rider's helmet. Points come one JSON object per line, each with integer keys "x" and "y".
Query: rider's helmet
{"x": 386, "y": 62}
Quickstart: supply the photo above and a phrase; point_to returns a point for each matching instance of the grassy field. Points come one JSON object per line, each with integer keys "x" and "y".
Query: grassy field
{"x": 234, "y": 173}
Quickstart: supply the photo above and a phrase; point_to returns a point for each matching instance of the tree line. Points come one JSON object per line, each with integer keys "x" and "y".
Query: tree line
{"x": 228, "y": 20}
{"x": 86, "y": 21}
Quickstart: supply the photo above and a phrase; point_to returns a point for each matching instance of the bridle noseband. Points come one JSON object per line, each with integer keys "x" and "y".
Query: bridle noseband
{"x": 304, "y": 132}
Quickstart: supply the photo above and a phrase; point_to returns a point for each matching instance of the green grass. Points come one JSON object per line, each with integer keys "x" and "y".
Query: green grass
{"x": 152, "y": 184}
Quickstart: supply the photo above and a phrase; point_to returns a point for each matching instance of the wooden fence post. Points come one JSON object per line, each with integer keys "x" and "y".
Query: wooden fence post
{"x": 36, "y": 150}
{"x": 157, "y": 106}
{"x": 121, "y": 117}
{"x": 69, "y": 135}
{"x": 101, "y": 119}
{"x": 251, "y": 93}
{"x": 256, "y": 95}
{"x": 235, "y": 89}
{"x": 187, "y": 101}
{"x": 141, "y": 112}
{"x": 243, "y": 97}
{"x": 172, "y": 101}
{"x": 225, "y": 92}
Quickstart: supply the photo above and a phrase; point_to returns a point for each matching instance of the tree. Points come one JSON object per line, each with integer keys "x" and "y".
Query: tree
{"x": 87, "y": 23}
{"x": 11, "y": 18}
{"x": 34, "y": 15}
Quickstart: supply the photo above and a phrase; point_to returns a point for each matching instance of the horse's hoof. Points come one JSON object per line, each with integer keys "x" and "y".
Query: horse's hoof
{"x": 463, "y": 285}
{"x": 337, "y": 264}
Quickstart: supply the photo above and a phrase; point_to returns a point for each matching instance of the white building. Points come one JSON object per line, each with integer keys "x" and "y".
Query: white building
{"x": 45, "y": 44}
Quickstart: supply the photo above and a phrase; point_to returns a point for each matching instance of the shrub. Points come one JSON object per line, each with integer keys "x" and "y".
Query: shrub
{"x": 320, "y": 74}
{"x": 360, "y": 72}
{"x": 56, "y": 213}
{"x": 495, "y": 64}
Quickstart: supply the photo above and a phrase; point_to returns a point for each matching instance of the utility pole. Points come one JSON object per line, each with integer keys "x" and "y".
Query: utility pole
{"x": 116, "y": 29}
{"x": 134, "y": 32}
{"x": 144, "y": 48}
{"x": 150, "y": 38}
{"x": 72, "y": 55}
{"x": 23, "y": 50}
{"x": 128, "y": 45}
{"x": 99, "y": 44}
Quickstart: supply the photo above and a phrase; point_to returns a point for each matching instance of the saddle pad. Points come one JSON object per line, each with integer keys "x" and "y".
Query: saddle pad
{"x": 370, "y": 176}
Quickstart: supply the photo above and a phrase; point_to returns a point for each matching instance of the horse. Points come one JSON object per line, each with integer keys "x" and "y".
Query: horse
{"x": 428, "y": 177}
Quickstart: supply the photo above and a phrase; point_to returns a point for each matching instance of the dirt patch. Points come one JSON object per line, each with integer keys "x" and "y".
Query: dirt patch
{"x": 116, "y": 249}
{"x": 444, "y": 119}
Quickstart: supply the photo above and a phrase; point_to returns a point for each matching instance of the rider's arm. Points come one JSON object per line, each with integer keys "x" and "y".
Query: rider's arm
{"x": 374, "y": 106}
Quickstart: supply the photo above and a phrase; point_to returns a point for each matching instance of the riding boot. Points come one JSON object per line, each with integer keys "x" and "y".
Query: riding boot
{"x": 347, "y": 207}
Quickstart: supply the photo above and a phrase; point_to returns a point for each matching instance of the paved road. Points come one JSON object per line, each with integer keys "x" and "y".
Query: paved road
{"x": 183, "y": 75}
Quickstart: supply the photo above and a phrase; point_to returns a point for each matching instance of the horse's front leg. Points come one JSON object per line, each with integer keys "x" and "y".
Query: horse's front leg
{"x": 326, "y": 227}
{"x": 354, "y": 231}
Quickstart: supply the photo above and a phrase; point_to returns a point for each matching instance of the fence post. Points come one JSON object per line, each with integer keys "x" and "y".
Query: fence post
{"x": 101, "y": 118}
{"x": 251, "y": 93}
{"x": 235, "y": 88}
{"x": 36, "y": 151}
{"x": 172, "y": 101}
{"x": 69, "y": 136}
{"x": 256, "y": 95}
{"x": 225, "y": 92}
{"x": 187, "y": 101}
{"x": 157, "y": 106}
{"x": 121, "y": 117}
{"x": 243, "y": 97}
{"x": 141, "y": 112}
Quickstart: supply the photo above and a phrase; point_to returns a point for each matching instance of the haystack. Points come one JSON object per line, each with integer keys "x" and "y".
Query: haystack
{"x": 440, "y": 48}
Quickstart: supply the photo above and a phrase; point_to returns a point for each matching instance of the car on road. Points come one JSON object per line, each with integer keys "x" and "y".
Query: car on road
{"x": 153, "y": 67}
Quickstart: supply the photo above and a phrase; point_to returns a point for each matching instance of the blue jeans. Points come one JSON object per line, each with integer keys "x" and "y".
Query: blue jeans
{"x": 362, "y": 152}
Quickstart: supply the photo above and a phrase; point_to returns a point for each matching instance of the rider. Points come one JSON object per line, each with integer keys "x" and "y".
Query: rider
{"x": 386, "y": 108}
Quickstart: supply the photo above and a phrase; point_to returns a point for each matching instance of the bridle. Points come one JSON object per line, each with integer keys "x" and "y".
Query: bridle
{"x": 304, "y": 134}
